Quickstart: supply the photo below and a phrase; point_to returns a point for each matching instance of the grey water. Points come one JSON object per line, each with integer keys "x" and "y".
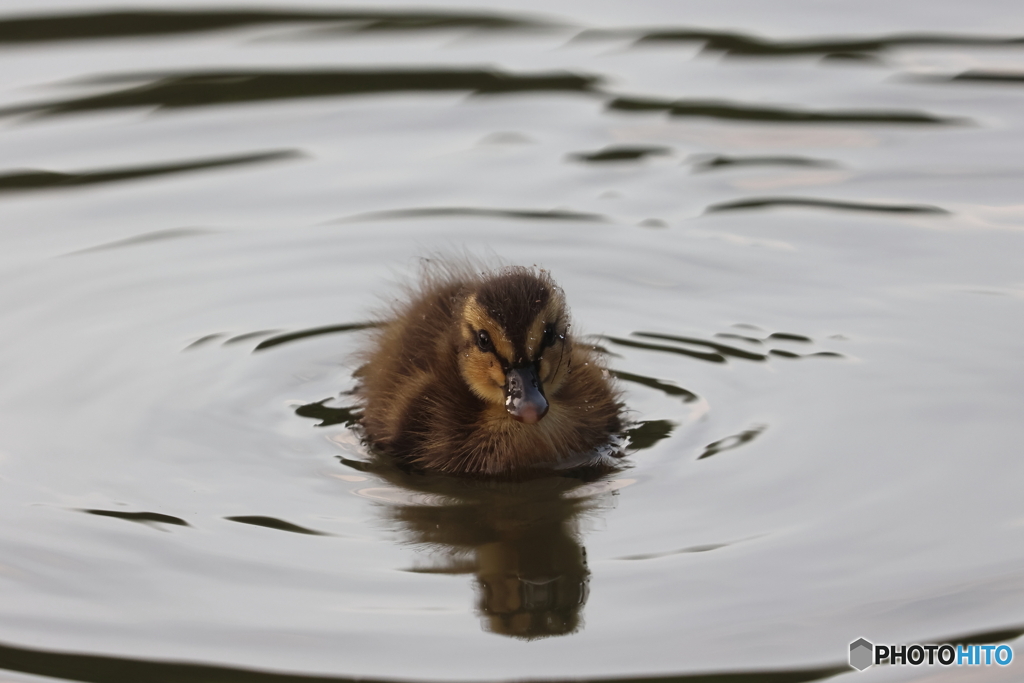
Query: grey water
{"x": 794, "y": 229}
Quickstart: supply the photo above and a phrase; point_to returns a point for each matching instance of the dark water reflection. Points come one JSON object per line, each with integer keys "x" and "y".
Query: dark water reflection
{"x": 724, "y": 162}
{"x": 24, "y": 181}
{"x": 144, "y": 23}
{"x": 990, "y": 77}
{"x": 100, "y": 669}
{"x": 720, "y": 109}
{"x": 208, "y": 88}
{"x": 471, "y": 212}
{"x": 520, "y": 541}
{"x": 141, "y": 517}
{"x": 745, "y": 45}
{"x": 274, "y": 523}
{"x": 770, "y": 202}
{"x": 305, "y": 334}
{"x": 620, "y": 153}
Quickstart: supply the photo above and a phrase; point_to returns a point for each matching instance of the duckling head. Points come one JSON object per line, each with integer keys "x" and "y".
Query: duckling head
{"x": 514, "y": 346}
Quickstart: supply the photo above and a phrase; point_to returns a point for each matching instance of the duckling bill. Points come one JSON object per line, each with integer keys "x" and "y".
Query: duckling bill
{"x": 477, "y": 374}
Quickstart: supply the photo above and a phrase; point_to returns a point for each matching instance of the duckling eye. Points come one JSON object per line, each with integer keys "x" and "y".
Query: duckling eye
{"x": 549, "y": 336}
{"x": 483, "y": 341}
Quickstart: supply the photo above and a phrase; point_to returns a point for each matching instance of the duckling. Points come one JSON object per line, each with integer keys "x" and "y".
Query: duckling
{"x": 477, "y": 374}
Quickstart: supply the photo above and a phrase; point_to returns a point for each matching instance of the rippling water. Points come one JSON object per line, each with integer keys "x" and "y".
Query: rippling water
{"x": 795, "y": 229}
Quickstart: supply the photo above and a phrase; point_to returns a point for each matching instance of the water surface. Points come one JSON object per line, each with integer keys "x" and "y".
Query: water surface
{"x": 795, "y": 232}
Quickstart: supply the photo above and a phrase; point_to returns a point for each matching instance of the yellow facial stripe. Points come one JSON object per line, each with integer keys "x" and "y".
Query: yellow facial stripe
{"x": 477, "y": 318}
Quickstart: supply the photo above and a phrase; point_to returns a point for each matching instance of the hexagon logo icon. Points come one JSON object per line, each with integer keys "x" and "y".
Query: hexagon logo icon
{"x": 861, "y": 652}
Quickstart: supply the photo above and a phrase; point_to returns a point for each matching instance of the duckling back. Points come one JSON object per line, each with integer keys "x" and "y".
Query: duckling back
{"x": 476, "y": 374}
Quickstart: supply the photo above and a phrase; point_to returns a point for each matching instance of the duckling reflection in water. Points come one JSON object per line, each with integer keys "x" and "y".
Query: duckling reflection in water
{"x": 476, "y": 374}
{"x": 521, "y": 540}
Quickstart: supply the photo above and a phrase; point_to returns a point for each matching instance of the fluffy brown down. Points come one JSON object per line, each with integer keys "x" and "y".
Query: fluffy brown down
{"x": 434, "y": 398}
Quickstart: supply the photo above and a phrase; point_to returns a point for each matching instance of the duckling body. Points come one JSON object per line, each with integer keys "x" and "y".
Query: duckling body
{"x": 477, "y": 374}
